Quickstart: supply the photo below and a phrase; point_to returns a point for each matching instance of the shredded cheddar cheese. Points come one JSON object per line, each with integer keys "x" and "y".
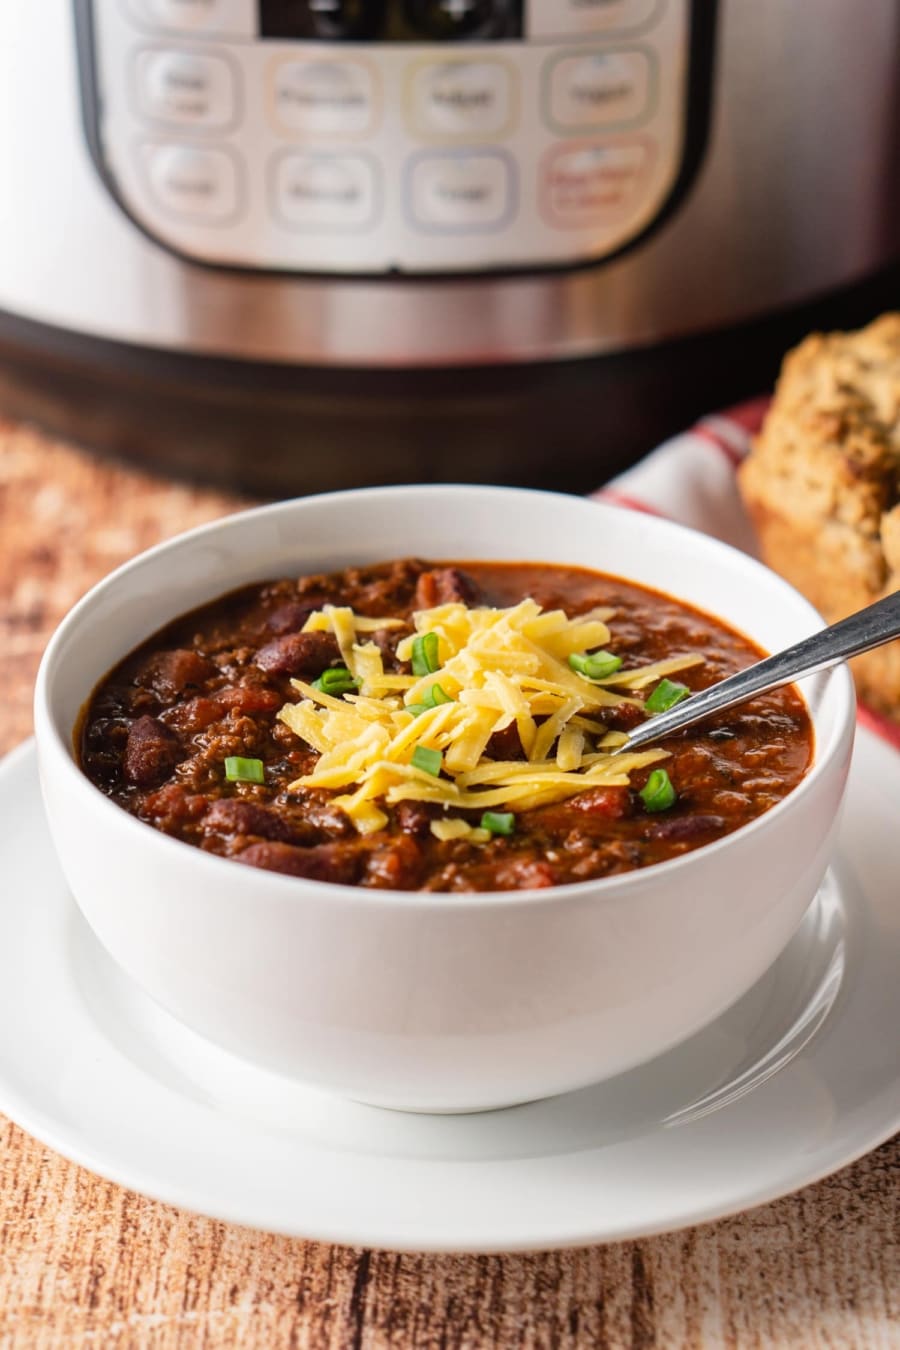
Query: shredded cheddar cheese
{"x": 497, "y": 668}
{"x": 454, "y": 827}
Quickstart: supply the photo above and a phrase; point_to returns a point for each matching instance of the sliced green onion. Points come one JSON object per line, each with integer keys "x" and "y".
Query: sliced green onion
{"x": 429, "y": 760}
{"x": 239, "y": 770}
{"x": 658, "y": 794}
{"x": 666, "y": 694}
{"x": 432, "y": 698}
{"x": 596, "y": 666}
{"x": 337, "y": 680}
{"x": 498, "y": 822}
{"x": 425, "y": 654}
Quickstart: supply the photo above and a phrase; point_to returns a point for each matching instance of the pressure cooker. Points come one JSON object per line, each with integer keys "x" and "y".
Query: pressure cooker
{"x": 300, "y": 244}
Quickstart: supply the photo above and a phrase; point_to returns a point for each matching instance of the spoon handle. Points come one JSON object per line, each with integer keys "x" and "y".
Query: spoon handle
{"x": 868, "y": 628}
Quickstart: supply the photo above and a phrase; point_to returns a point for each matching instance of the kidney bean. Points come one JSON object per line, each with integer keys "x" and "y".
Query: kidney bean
{"x": 298, "y": 654}
{"x": 323, "y": 862}
{"x": 444, "y": 585}
{"x": 685, "y": 827}
{"x": 235, "y": 815}
{"x": 151, "y": 752}
{"x": 171, "y": 674}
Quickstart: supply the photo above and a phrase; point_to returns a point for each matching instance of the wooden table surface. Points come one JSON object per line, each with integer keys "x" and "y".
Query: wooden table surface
{"x": 83, "y": 1262}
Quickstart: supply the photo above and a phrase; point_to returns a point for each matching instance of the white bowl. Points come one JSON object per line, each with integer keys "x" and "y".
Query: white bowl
{"x": 415, "y": 1000}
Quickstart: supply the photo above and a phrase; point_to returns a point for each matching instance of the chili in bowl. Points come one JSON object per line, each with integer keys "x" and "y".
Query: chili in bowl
{"x": 441, "y": 727}
{"x": 336, "y": 782}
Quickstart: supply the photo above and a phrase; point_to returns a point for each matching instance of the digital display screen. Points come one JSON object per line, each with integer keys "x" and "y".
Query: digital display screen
{"x": 391, "y": 20}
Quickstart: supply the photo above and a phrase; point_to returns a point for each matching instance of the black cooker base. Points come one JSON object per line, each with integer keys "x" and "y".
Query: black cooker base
{"x": 277, "y": 430}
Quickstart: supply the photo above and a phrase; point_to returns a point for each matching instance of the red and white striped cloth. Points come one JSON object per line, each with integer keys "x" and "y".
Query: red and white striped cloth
{"x": 691, "y": 479}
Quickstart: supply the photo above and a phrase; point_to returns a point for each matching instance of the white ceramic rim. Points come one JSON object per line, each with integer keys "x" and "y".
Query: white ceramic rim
{"x": 840, "y": 684}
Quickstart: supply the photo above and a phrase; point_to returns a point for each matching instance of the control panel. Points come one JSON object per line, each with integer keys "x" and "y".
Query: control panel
{"x": 373, "y": 137}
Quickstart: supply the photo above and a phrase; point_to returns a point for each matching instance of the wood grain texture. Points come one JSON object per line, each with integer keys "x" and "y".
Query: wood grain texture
{"x": 85, "y": 1263}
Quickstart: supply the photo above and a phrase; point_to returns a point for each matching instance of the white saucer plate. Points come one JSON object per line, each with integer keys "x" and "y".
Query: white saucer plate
{"x": 799, "y": 1078}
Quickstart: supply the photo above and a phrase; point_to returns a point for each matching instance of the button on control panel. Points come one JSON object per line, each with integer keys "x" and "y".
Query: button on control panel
{"x": 373, "y": 137}
{"x": 604, "y": 87}
{"x": 186, "y": 89}
{"x": 588, "y": 184}
{"x": 324, "y": 97}
{"x": 450, "y": 193}
{"x": 196, "y": 184}
{"x": 461, "y": 99}
{"x": 325, "y": 192}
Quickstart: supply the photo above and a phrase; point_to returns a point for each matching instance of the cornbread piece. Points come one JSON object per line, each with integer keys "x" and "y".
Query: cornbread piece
{"x": 822, "y": 483}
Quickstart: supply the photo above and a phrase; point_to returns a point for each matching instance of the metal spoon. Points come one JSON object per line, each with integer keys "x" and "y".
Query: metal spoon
{"x": 868, "y": 628}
